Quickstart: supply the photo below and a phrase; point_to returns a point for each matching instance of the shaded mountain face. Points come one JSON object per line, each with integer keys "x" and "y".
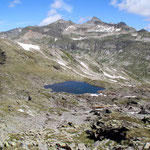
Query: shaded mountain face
{"x": 107, "y": 44}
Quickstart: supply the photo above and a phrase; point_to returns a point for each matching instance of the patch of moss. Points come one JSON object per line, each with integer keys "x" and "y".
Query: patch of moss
{"x": 57, "y": 110}
{"x": 83, "y": 138}
{"x": 118, "y": 116}
{"x": 139, "y": 132}
{"x": 16, "y": 137}
{"x": 46, "y": 94}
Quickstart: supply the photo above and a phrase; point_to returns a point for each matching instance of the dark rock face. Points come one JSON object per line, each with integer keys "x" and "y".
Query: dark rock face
{"x": 142, "y": 31}
{"x": 145, "y": 110}
{"x": 66, "y": 147}
{"x": 122, "y": 24}
{"x": 11, "y": 34}
{"x": 132, "y": 103}
{"x": 146, "y": 119}
{"x": 2, "y": 57}
{"x": 101, "y": 130}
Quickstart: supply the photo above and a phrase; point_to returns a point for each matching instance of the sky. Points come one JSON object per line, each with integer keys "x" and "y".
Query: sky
{"x": 21, "y": 13}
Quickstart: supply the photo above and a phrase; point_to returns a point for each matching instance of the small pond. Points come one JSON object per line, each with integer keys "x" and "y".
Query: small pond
{"x": 74, "y": 87}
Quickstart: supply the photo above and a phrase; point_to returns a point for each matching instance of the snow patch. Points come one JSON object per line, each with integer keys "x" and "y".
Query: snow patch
{"x": 102, "y": 94}
{"x": 28, "y": 47}
{"x": 21, "y": 110}
{"x": 105, "y": 28}
{"x": 108, "y": 75}
{"x": 80, "y": 38}
{"x": 113, "y": 80}
{"x": 61, "y": 63}
{"x": 121, "y": 77}
{"x": 130, "y": 96}
{"x": 84, "y": 65}
{"x": 70, "y": 27}
{"x": 114, "y": 77}
{"x": 94, "y": 95}
{"x": 19, "y": 30}
{"x": 29, "y": 112}
{"x": 117, "y": 30}
{"x": 132, "y": 113}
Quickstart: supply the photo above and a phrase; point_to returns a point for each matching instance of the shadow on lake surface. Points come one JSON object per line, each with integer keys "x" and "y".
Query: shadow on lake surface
{"x": 74, "y": 87}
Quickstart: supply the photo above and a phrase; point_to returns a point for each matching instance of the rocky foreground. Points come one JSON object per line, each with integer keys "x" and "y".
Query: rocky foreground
{"x": 108, "y": 121}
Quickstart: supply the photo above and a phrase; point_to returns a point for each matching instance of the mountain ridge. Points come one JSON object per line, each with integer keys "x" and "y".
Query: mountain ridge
{"x": 109, "y": 41}
{"x": 64, "y": 22}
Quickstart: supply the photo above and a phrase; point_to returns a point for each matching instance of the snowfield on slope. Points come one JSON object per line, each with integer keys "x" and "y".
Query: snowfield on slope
{"x": 61, "y": 63}
{"x": 84, "y": 65}
{"x": 104, "y": 28}
{"x": 113, "y": 77}
{"x": 28, "y": 47}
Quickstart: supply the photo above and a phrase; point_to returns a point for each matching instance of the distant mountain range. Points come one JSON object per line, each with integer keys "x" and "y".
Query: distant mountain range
{"x": 62, "y": 27}
{"x": 102, "y": 47}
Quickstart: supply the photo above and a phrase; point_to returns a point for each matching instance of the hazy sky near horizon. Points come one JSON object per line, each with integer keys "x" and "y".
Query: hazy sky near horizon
{"x": 21, "y": 13}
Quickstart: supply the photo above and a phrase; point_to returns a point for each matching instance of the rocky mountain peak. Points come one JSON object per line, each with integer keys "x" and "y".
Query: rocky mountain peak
{"x": 122, "y": 24}
{"x": 143, "y": 31}
{"x": 95, "y": 19}
{"x": 125, "y": 27}
{"x": 62, "y": 21}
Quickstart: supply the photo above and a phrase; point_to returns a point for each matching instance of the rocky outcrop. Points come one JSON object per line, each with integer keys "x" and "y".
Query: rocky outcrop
{"x": 111, "y": 129}
{"x": 145, "y": 109}
{"x": 2, "y": 57}
{"x": 146, "y": 119}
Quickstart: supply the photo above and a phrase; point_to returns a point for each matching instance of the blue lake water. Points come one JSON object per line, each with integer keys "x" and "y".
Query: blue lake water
{"x": 74, "y": 87}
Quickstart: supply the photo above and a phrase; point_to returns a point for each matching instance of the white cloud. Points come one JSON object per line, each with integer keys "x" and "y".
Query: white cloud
{"x": 53, "y": 14}
{"x": 82, "y": 20}
{"x": 60, "y": 4}
{"x": 113, "y": 2}
{"x": 139, "y": 7}
{"x": 147, "y": 27}
{"x": 14, "y": 3}
{"x": 50, "y": 19}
